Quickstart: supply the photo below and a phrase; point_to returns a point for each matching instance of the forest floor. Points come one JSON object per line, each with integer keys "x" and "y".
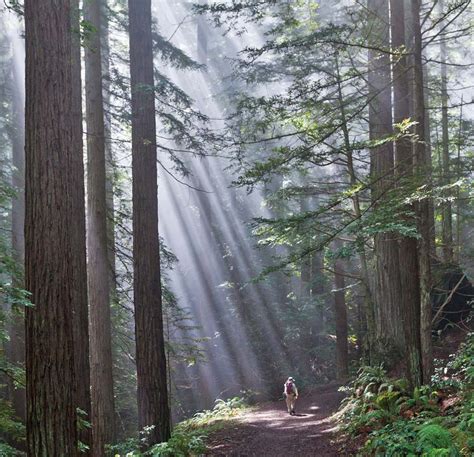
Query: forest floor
{"x": 269, "y": 430}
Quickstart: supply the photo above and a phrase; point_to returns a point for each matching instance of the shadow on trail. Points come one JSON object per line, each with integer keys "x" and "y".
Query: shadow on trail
{"x": 271, "y": 431}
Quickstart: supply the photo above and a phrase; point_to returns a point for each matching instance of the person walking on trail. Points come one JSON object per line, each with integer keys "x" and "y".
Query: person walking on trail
{"x": 291, "y": 393}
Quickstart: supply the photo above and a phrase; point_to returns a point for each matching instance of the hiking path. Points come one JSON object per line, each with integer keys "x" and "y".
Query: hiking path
{"x": 270, "y": 431}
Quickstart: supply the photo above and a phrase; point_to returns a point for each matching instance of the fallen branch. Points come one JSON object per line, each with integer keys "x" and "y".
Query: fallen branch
{"x": 440, "y": 310}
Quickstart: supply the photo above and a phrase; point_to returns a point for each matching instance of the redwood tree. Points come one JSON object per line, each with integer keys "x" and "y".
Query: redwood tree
{"x": 153, "y": 408}
{"x": 102, "y": 391}
{"x": 447, "y": 212}
{"x": 340, "y": 313}
{"x": 404, "y": 162}
{"x": 387, "y": 275}
{"x": 78, "y": 233}
{"x": 423, "y": 161}
{"x": 54, "y": 231}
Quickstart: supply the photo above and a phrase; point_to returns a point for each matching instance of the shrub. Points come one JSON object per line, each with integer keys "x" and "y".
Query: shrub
{"x": 434, "y": 436}
{"x": 189, "y": 437}
{"x": 431, "y": 421}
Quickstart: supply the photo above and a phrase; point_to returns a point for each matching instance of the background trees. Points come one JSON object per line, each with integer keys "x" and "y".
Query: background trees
{"x": 313, "y": 189}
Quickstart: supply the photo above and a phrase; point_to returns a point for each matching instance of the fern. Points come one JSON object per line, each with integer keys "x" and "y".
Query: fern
{"x": 388, "y": 401}
{"x": 441, "y": 453}
{"x": 434, "y": 436}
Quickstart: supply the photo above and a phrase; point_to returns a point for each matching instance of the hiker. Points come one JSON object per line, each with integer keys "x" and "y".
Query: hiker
{"x": 291, "y": 393}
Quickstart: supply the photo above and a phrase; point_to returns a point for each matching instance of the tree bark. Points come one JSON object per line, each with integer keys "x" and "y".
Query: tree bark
{"x": 340, "y": 311}
{"x": 317, "y": 289}
{"x": 153, "y": 409}
{"x": 54, "y": 232}
{"x": 102, "y": 388}
{"x": 447, "y": 213}
{"x": 404, "y": 161}
{"x": 459, "y": 202}
{"x": 109, "y": 152}
{"x": 78, "y": 233}
{"x": 431, "y": 209}
{"x": 423, "y": 171}
{"x": 17, "y": 329}
{"x": 369, "y": 309}
{"x": 387, "y": 287}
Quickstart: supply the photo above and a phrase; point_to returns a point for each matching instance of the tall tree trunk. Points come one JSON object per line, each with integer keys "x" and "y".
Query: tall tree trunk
{"x": 109, "y": 152}
{"x": 305, "y": 267}
{"x": 340, "y": 312}
{"x": 423, "y": 171}
{"x": 153, "y": 409}
{"x": 458, "y": 191}
{"x": 404, "y": 161}
{"x": 317, "y": 289}
{"x": 102, "y": 389}
{"x": 387, "y": 287}
{"x": 447, "y": 217}
{"x": 369, "y": 308}
{"x": 17, "y": 330}
{"x": 79, "y": 271}
{"x": 428, "y": 123}
{"x": 54, "y": 231}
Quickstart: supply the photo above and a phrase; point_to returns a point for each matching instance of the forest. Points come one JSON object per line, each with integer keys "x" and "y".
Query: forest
{"x": 236, "y": 228}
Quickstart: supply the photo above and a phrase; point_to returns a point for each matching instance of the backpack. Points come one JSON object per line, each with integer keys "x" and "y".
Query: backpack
{"x": 289, "y": 390}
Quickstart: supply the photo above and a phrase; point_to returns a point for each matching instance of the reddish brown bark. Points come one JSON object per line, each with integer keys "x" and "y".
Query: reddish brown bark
{"x": 102, "y": 391}
{"x": 423, "y": 170}
{"x": 78, "y": 232}
{"x": 54, "y": 234}
{"x": 404, "y": 160}
{"x": 389, "y": 328}
{"x": 340, "y": 312}
{"x": 447, "y": 211}
{"x": 153, "y": 409}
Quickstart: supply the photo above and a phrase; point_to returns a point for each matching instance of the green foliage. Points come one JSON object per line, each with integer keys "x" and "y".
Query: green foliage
{"x": 373, "y": 401}
{"x": 11, "y": 427}
{"x": 411, "y": 439}
{"x": 128, "y": 447}
{"x": 189, "y": 437}
{"x": 181, "y": 444}
{"x": 435, "y": 420}
{"x": 458, "y": 372}
{"x": 17, "y": 7}
{"x": 383, "y": 443}
{"x": 8, "y": 424}
{"x": 434, "y": 436}
{"x": 8, "y": 451}
{"x": 14, "y": 298}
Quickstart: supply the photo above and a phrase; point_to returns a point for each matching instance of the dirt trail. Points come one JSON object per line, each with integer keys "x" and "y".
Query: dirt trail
{"x": 271, "y": 431}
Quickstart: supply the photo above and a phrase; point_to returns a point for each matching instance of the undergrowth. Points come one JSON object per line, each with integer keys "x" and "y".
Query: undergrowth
{"x": 435, "y": 420}
{"x": 188, "y": 437}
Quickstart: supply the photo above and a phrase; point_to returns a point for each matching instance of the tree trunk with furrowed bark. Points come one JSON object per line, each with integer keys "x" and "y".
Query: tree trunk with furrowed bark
{"x": 153, "y": 409}
{"x": 102, "y": 389}
{"x": 55, "y": 269}
{"x": 388, "y": 317}
{"x": 404, "y": 162}
{"x": 81, "y": 310}
{"x": 340, "y": 312}
{"x": 423, "y": 171}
